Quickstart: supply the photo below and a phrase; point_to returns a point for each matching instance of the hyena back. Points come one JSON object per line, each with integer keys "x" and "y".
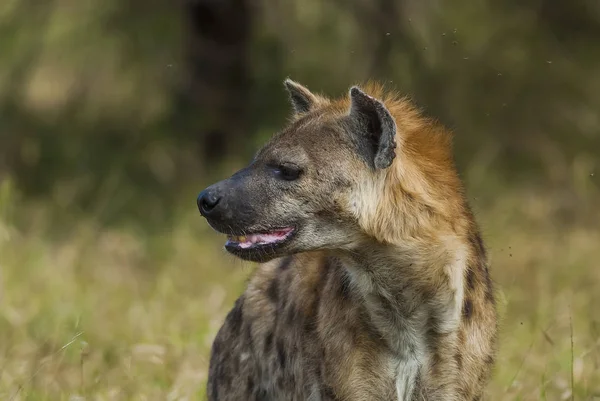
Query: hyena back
{"x": 374, "y": 283}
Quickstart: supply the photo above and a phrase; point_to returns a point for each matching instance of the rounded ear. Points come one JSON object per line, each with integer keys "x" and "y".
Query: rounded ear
{"x": 302, "y": 99}
{"x": 375, "y": 128}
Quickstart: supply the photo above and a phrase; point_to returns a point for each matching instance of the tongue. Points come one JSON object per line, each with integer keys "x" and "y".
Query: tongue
{"x": 267, "y": 238}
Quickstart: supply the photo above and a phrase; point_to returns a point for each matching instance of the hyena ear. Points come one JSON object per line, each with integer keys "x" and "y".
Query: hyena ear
{"x": 375, "y": 126}
{"x": 302, "y": 99}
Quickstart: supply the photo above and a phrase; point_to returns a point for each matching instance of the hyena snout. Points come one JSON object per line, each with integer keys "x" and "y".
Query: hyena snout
{"x": 208, "y": 201}
{"x": 247, "y": 208}
{"x": 237, "y": 204}
{"x": 223, "y": 205}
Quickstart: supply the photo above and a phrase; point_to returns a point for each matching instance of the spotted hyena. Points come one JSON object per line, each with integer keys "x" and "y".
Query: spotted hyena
{"x": 374, "y": 283}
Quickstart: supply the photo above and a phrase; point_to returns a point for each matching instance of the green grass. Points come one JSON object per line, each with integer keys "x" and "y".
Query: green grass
{"x": 123, "y": 314}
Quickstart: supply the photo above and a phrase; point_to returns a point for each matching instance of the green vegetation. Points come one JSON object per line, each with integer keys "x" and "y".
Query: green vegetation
{"x": 114, "y": 114}
{"x": 123, "y": 314}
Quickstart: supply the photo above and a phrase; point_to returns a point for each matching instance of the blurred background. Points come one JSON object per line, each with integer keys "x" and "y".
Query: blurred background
{"x": 115, "y": 114}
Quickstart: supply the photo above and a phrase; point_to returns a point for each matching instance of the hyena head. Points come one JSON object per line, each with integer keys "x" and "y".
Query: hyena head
{"x": 332, "y": 178}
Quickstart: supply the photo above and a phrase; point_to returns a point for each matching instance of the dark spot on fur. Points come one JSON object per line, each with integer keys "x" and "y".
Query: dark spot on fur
{"x": 436, "y": 361}
{"x": 340, "y": 183}
{"x": 268, "y": 342}
{"x": 273, "y": 290}
{"x": 428, "y": 292}
{"x": 470, "y": 278}
{"x": 428, "y": 210}
{"x": 477, "y": 243}
{"x": 328, "y": 392}
{"x": 226, "y": 379}
{"x": 408, "y": 196}
{"x": 235, "y": 317}
{"x": 435, "y": 341}
{"x": 291, "y": 314}
{"x": 461, "y": 339}
{"x": 483, "y": 376}
{"x": 345, "y": 286}
{"x": 480, "y": 243}
{"x": 260, "y": 394}
{"x": 284, "y": 286}
{"x": 468, "y": 309}
{"x": 432, "y": 327}
{"x": 314, "y": 308}
{"x": 281, "y": 354}
{"x": 249, "y": 384}
{"x": 318, "y": 371}
{"x": 418, "y": 381}
{"x": 286, "y": 263}
{"x": 235, "y": 368}
{"x": 309, "y": 325}
{"x": 220, "y": 379}
{"x": 412, "y": 348}
{"x": 216, "y": 348}
{"x": 249, "y": 339}
{"x": 214, "y": 385}
{"x": 489, "y": 360}
{"x": 458, "y": 359}
{"x": 328, "y": 214}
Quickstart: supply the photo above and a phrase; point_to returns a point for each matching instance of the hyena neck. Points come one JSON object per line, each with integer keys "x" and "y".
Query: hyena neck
{"x": 410, "y": 290}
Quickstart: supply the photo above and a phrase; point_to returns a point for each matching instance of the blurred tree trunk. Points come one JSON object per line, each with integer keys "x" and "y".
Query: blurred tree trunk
{"x": 384, "y": 18}
{"x": 575, "y": 19}
{"x": 218, "y": 33}
{"x": 391, "y": 33}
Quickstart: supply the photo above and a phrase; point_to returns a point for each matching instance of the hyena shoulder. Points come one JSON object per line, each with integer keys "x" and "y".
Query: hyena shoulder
{"x": 300, "y": 332}
{"x": 267, "y": 338}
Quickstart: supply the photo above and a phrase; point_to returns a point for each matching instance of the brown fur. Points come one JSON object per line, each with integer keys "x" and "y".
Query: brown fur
{"x": 403, "y": 309}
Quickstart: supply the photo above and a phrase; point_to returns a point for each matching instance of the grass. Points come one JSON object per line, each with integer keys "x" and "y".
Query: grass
{"x": 122, "y": 314}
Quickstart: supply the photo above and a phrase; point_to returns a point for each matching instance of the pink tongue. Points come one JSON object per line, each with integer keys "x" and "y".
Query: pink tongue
{"x": 263, "y": 238}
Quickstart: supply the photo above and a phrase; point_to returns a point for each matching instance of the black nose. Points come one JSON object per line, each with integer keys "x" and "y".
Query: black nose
{"x": 207, "y": 201}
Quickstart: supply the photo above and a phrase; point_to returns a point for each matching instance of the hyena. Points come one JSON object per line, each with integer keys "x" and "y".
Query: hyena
{"x": 374, "y": 283}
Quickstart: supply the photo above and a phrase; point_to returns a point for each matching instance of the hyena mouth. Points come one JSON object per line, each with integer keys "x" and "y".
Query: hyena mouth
{"x": 268, "y": 239}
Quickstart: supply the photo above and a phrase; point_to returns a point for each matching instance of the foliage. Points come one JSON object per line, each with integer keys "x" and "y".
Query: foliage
{"x": 126, "y": 314}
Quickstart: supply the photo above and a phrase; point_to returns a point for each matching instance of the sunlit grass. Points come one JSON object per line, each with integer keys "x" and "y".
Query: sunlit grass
{"x": 124, "y": 314}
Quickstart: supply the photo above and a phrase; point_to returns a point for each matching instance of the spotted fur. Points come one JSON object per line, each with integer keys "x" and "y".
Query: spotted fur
{"x": 386, "y": 293}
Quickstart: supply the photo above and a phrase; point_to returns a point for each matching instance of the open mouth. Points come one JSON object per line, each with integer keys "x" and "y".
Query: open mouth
{"x": 270, "y": 238}
{"x": 258, "y": 240}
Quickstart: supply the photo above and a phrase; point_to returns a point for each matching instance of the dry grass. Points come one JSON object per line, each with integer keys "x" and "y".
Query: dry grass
{"x": 102, "y": 314}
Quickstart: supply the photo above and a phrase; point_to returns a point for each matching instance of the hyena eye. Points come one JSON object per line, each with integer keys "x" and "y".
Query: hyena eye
{"x": 288, "y": 171}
